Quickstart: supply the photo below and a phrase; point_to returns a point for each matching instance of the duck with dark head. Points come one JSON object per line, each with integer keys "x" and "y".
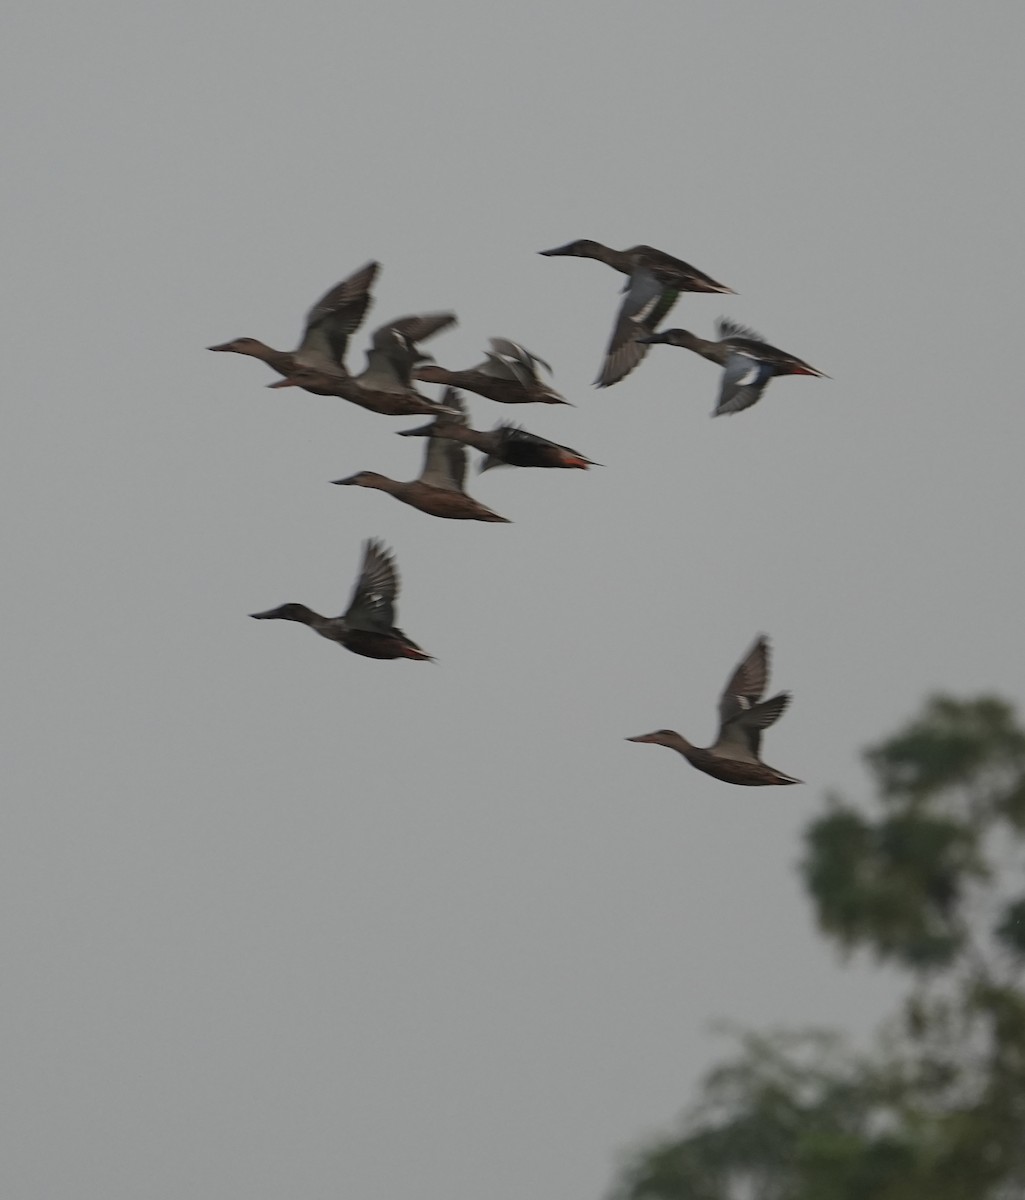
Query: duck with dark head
{"x": 656, "y": 280}
{"x": 367, "y": 626}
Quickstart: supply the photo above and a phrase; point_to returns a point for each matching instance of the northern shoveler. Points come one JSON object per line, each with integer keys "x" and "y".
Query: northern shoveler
{"x": 439, "y": 489}
{"x": 743, "y": 714}
{"x": 750, "y": 361}
{"x": 367, "y": 625}
{"x": 509, "y": 375}
{"x": 505, "y": 444}
{"x": 386, "y": 385}
{"x": 329, "y": 324}
{"x": 390, "y": 404}
{"x": 655, "y": 281}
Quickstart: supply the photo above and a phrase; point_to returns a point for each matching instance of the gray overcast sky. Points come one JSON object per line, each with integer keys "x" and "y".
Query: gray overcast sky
{"x": 281, "y": 921}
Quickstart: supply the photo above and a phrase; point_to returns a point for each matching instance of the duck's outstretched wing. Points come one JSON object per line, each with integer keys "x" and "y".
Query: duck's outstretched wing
{"x": 743, "y": 382}
{"x": 372, "y": 607}
{"x": 742, "y": 712}
{"x": 510, "y": 360}
{"x": 645, "y": 305}
{"x": 394, "y": 352}
{"x": 728, "y": 328}
{"x": 741, "y": 736}
{"x": 747, "y": 684}
{"x": 445, "y": 459}
{"x": 418, "y": 328}
{"x": 334, "y": 318}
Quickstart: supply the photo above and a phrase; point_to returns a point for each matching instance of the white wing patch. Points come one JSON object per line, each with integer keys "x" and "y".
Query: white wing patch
{"x": 750, "y": 375}
{"x": 642, "y": 314}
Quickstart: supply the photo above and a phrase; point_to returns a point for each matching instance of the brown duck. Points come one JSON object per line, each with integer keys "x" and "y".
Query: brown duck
{"x": 749, "y": 362}
{"x": 329, "y": 324}
{"x": 367, "y": 625}
{"x": 656, "y": 279}
{"x": 505, "y": 444}
{"x": 508, "y": 375}
{"x": 386, "y": 385}
{"x": 389, "y": 404}
{"x": 734, "y": 757}
{"x": 439, "y": 490}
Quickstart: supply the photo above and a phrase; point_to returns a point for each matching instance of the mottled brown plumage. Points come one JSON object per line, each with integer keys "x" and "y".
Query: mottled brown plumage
{"x": 408, "y": 403}
{"x": 735, "y": 755}
{"x": 367, "y": 626}
{"x": 386, "y": 384}
{"x": 655, "y": 281}
{"x": 439, "y": 489}
{"x": 508, "y": 375}
{"x": 506, "y": 444}
{"x": 329, "y": 324}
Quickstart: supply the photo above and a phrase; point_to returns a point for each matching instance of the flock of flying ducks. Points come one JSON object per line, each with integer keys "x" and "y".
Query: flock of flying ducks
{"x": 511, "y": 374}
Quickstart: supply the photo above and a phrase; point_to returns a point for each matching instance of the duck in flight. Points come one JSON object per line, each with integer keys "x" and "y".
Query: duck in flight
{"x": 329, "y": 325}
{"x": 749, "y": 362}
{"x": 505, "y": 444}
{"x": 386, "y": 384}
{"x": 655, "y": 281}
{"x": 509, "y": 375}
{"x": 735, "y": 755}
{"x": 439, "y": 489}
{"x": 367, "y": 626}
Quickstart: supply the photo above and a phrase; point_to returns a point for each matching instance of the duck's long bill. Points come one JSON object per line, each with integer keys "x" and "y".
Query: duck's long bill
{"x": 641, "y": 737}
{"x": 280, "y": 383}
